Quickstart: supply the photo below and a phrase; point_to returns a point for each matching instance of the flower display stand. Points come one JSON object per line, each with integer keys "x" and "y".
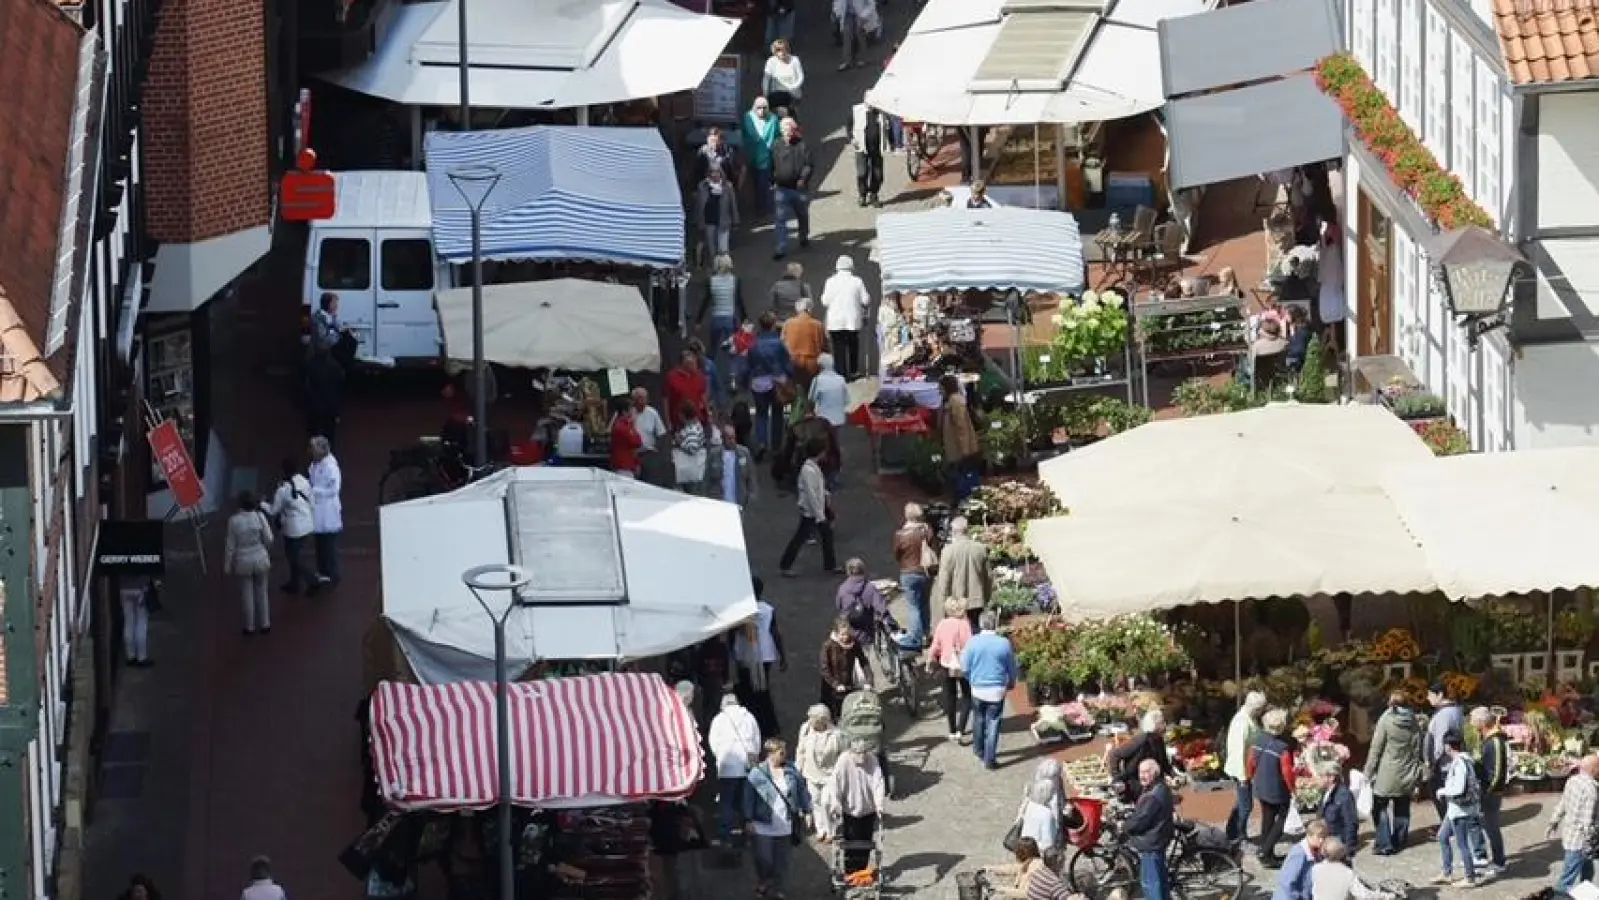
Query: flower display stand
{"x": 1396, "y": 671}
{"x": 1568, "y": 666}
{"x": 1508, "y": 663}
{"x": 1534, "y": 665}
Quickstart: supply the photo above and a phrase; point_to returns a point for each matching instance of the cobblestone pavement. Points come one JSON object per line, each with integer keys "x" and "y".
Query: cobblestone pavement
{"x": 249, "y": 746}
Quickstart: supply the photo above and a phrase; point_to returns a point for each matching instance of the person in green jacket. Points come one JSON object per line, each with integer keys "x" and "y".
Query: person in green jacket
{"x": 760, "y": 133}
{"x": 1394, "y": 768}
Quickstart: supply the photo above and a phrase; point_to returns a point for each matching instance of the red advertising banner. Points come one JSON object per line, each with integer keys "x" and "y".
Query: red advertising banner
{"x": 166, "y": 445}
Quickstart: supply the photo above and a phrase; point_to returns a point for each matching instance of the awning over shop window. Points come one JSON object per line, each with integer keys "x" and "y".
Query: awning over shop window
{"x": 1252, "y": 131}
{"x": 1001, "y": 249}
{"x": 1245, "y": 43}
{"x": 536, "y": 56}
{"x": 983, "y": 62}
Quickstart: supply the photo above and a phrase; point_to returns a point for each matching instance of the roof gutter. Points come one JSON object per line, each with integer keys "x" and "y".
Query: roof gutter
{"x": 1556, "y": 87}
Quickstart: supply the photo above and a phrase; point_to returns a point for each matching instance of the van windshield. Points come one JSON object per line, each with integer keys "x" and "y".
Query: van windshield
{"x": 345, "y": 264}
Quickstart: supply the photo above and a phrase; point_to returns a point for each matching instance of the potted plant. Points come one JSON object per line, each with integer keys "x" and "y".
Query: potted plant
{"x": 1090, "y": 332}
{"x": 1003, "y": 441}
{"x": 1313, "y": 375}
{"x": 924, "y": 464}
{"x": 1416, "y": 405}
{"x": 1444, "y": 439}
{"x": 1198, "y": 397}
{"x": 1043, "y": 651}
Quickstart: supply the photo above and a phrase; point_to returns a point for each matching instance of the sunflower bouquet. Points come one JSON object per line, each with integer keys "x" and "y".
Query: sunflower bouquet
{"x": 1396, "y": 645}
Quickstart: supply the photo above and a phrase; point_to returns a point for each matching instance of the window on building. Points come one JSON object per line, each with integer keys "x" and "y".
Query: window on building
{"x": 1411, "y": 69}
{"x": 1489, "y": 97}
{"x": 407, "y": 265}
{"x": 1361, "y": 37}
{"x": 1407, "y": 305}
{"x": 1388, "y": 49}
{"x": 1463, "y": 110}
{"x": 344, "y": 264}
{"x": 1436, "y": 43}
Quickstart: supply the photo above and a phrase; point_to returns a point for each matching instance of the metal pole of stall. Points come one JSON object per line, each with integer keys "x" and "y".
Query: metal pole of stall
{"x": 509, "y": 580}
{"x": 466, "y": 68}
{"x": 474, "y": 184}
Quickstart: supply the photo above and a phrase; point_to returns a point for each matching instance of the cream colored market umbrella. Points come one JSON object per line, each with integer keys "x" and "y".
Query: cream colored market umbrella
{"x": 1184, "y": 552}
{"x": 1287, "y": 451}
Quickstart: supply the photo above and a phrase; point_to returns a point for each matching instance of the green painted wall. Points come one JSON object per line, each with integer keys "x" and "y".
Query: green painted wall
{"x": 19, "y": 713}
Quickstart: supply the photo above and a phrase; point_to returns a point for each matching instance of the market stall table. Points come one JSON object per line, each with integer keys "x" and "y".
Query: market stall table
{"x": 880, "y": 424}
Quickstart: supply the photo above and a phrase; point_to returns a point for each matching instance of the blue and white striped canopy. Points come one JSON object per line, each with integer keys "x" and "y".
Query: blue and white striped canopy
{"x": 569, "y": 193}
{"x": 1000, "y": 249}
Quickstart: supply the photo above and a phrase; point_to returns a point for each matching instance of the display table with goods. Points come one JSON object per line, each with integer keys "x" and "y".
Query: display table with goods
{"x": 1189, "y": 333}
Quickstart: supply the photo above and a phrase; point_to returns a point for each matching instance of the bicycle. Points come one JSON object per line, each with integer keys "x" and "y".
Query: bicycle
{"x": 430, "y": 466}
{"x": 922, "y": 143}
{"x": 899, "y": 669}
{"x": 1197, "y": 872}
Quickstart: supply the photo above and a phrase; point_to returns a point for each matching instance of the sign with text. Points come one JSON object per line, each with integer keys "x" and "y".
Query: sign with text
{"x": 177, "y": 467}
{"x": 131, "y": 547}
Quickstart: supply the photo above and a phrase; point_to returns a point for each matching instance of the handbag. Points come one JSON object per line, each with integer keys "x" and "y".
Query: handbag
{"x": 929, "y": 556}
{"x": 785, "y": 392}
{"x": 1013, "y": 835}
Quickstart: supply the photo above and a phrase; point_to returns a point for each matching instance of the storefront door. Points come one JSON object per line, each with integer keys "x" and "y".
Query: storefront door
{"x": 1374, "y": 293}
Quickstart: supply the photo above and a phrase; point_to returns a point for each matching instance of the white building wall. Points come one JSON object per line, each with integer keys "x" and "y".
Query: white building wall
{"x": 1460, "y": 106}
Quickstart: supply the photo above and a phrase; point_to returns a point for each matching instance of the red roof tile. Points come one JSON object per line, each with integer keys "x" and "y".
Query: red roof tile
{"x": 39, "y": 67}
{"x": 1546, "y": 41}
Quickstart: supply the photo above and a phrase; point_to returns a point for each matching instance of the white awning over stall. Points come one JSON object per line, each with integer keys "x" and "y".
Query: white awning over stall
{"x": 1021, "y": 62}
{"x": 607, "y": 554}
{"x": 537, "y": 56}
{"x": 564, "y": 324}
{"x": 1000, "y": 249}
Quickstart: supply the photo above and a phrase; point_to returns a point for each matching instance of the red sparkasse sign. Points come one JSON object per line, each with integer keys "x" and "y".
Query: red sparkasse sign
{"x": 166, "y": 445}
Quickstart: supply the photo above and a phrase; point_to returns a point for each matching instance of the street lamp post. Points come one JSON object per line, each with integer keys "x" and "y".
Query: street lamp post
{"x": 474, "y": 184}
{"x": 504, "y": 579}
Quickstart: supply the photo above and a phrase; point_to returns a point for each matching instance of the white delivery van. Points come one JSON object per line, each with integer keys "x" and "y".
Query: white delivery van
{"x": 376, "y": 254}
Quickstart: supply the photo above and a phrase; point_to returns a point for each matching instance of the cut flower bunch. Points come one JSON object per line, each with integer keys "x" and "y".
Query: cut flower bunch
{"x": 1094, "y": 327}
{"x": 1411, "y": 165}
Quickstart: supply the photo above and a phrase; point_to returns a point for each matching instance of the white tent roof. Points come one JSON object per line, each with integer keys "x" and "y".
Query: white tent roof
{"x": 538, "y": 56}
{"x": 1114, "y": 73}
{"x": 1287, "y": 451}
{"x": 608, "y": 556}
{"x": 1185, "y": 552}
{"x": 566, "y": 323}
{"x": 1492, "y": 524}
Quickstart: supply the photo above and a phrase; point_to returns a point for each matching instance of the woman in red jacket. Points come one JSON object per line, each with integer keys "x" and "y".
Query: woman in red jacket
{"x": 625, "y": 439}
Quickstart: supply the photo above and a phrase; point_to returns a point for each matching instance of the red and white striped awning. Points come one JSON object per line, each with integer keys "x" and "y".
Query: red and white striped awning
{"x": 603, "y": 737}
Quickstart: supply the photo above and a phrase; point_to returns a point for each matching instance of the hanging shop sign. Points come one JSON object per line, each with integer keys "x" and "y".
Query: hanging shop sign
{"x": 307, "y": 194}
{"x": 129, "y": 547}
{"x": 177, "y": 467}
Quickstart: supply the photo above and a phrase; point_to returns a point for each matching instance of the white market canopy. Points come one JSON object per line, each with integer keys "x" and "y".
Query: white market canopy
{"x": 566, "y": 192}
{"x": 1023, "y": 62}
{"x": 539, "y": 56}
{"x": 1285, "y": 450}
{"x": 1493, "y": 524}
{"x": 621, "y": 570}
{"x": 1281, "y": 501}
{"x": 565, "y": 323}
{"x": 1185, "y": 552}
{"x": 1001, "y": 249}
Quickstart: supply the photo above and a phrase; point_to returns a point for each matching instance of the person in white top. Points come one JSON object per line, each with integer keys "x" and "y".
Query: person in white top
{"x": 829, "y": 391}
{"x": 756, "y": 648}
{"x": 813, "y": 512}
{"x": 291, "y": 510}
{"x": 262, "y": 887}
{"x": 845, "y": 299}
{"x": 818, "y": 750}
{"x": 327, "y": 512}
{"x": 653, "y": 437}
{"x": 783, "y": 79}
{"x": 735, "y": 739}
{"x": 776, "y": 801}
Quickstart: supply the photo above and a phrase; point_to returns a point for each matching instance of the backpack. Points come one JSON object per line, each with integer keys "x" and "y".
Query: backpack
{"x": 861, "y": 718}
{"x": 859, "y": 615}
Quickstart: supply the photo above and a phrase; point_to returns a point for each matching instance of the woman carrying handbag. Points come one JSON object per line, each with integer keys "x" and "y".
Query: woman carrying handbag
{"x": 248, "y": 558}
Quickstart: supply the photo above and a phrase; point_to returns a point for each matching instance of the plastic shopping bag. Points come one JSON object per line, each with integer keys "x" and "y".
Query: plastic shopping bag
{"x": 1293, "y": 825}
{"x": 1364, "y": 800}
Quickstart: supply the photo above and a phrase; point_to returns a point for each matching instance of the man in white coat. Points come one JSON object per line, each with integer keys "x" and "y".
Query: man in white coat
{"x": 868, "y": 135}
{"x": 845, "y": 300}
{"x": 735, "y": 739}
{"x": 327, "y": 512}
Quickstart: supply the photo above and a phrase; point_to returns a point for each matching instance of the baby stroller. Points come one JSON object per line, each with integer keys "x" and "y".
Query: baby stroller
{"x": 857, "y": 867}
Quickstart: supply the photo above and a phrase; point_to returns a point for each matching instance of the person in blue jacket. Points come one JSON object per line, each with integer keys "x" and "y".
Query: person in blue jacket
{"x": 776, "y": 803}
{"x": 1293, "y": 883}
{"x": 1338, "y": 807}
{"x": 767, "y": 369}
{"x": 989, "y": 662}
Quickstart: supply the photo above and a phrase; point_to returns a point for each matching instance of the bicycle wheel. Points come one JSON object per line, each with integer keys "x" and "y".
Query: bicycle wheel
{"x": 932, "y": 141}
{"x": 1097, "y": 871}
{"x": 913, "y": 160}
{"x": 887, "y": 657}
{"x": 910, "y": 687}
{"x": 1207, "y": 875}
{"x": 404, "y": 483}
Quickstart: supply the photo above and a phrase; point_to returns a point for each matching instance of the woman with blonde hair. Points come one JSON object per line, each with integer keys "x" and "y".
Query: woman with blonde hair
{"x": 1271, "y": 777}
{"x": 248, "y": 558}
{"x": 783, "y": 79}
{"x": 949, "y": 640}
{"x": 816, "y": 754}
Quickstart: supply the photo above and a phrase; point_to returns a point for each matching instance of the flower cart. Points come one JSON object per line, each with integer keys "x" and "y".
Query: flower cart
{"x": 1091, "y": 348}
{"x": 1192, "y": 332}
